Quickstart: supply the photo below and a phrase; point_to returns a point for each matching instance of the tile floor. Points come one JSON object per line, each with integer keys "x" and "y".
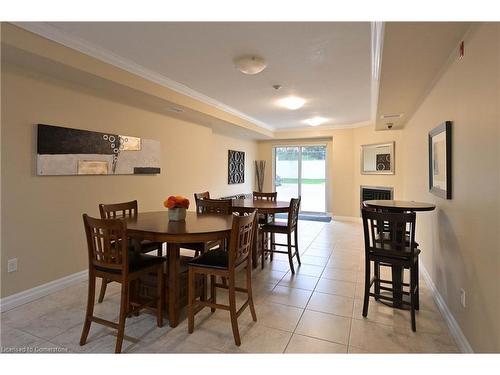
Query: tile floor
{"x": 316, "y": 311}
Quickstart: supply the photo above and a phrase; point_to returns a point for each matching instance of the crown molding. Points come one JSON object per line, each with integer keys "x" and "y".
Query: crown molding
{"x": 354, "y": 125}
{"x": 56, "y": 35}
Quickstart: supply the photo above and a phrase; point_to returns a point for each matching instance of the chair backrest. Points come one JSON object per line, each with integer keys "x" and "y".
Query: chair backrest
{"x": 215, "y": 206}
{"x": 199, "y": 196}
{"x": 106, "y": 241}
{"x": 293, "y": 213}
{"x": 114, "y": 210}
{"x": 242, "y": 238}
{"x": 388, "y": 231}
{"x": 265, "y": 196}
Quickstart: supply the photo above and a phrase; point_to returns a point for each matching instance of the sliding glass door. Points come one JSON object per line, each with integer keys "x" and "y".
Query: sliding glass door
{"x": 301, "y": 170}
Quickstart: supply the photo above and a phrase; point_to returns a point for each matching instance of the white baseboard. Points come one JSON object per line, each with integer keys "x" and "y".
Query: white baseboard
{"x": 353, "y": 219}
{"x": 456, "y": 331}
{"x": 18, "y": 299}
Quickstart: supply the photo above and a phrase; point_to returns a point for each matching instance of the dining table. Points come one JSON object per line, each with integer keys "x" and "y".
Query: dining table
{"x": 264, "y": 207}
{"x": 156, "y": 226}
{"x": 398, "y": 206}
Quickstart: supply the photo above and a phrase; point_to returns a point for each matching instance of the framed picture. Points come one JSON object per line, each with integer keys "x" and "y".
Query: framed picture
{"x": 235, "y": 167}
{"x": 440, "y": 160}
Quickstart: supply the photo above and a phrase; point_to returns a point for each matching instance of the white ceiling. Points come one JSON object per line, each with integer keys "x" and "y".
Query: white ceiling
{"x": 328, "y": 64}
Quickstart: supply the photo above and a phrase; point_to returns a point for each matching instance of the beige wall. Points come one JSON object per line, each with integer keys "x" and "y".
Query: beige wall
{"x": 460, "y": 240}
{"x": 41, "y": 216}
{"x": 367, "y": 135}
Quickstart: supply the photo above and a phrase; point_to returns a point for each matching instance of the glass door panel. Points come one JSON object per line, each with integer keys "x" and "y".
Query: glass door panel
{"x": 287, "y": 172}
{"x": 313, "y": 178}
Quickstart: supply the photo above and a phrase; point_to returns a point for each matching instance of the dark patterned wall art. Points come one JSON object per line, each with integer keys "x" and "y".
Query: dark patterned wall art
{"x": 236, "y": 167}
{"x": 66, "y": 151}
{"x": 383, "y": 162}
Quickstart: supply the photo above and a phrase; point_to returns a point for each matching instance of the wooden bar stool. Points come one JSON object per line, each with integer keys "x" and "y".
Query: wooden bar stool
{"x": 110, "y": 259}
{"x": 225, "y": 264}
{"x": 285, "y": 228}
{"x": 123, "y": 210}
{"x": 390, "y": 241}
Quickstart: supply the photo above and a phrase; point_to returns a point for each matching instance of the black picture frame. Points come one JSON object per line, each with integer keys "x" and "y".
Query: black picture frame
{"x": 441, "y": 191}
{"x": 235, "y": 167}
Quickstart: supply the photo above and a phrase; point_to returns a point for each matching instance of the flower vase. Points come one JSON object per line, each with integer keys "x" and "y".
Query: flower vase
{"x": 176, "y": 214}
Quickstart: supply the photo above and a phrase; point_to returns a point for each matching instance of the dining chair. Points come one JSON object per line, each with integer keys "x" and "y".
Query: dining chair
{"x": 225, "y": 264}
{"x": 110, "y": 258}
{"x": 289, "y": 227}
{"x": 265, "y": 218}
{"x": 202, "y": 195}
{"x": 123, "y": 210}
{"x": 208, "y": 206}
{"x": 390, "y": 241}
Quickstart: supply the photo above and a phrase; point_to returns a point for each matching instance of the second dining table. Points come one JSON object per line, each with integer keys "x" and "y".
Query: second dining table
{"x": 156, "y": 226}
{"x": 263, "y": 207}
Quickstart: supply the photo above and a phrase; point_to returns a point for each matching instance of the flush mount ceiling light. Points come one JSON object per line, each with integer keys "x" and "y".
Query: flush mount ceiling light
{"x": 250, "y": 64}
{"x": 315, "y": 121}
{"x": 291, "y": 102}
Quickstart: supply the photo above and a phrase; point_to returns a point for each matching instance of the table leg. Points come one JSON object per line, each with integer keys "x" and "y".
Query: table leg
{"x": 174, "y": 260}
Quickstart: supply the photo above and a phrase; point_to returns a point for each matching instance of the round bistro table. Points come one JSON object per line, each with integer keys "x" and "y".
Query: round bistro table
{"x": 263, "y": 207}
{"x": 397, "y": 271}
{"x": 155, "y": 226}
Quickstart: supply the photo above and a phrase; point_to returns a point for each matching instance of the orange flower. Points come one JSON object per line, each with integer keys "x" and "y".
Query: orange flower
{"x": 176, "y": 201}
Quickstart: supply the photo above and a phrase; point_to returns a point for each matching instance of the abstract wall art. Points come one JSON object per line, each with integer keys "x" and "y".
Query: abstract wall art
{"x": 440, "y": 160}
{"x": 236, "y": 167}
{"x": 67, "y": 151}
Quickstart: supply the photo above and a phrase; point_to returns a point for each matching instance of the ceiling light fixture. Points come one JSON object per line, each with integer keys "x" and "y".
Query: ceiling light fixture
{"x": 291, "y": 102}
{"x": 250, "y": 64}
{"x": 315, "y": 121}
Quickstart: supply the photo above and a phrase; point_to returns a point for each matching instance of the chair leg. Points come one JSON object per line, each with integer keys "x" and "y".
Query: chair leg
{"x": 296, "y": 239}
{"x": 90, "y": 310}
{"x": 159, "y": 297}
{"x": 366, "y": 298}
{"x": 273, "y": 246}
{"x": 412, "y": 297}
{"x": 262, "y": 251}
{"x": 232, "y": 311}
{"x": 191, "y": 299}
{"x": 290, "y": 255}
{"x": 213, "y": 291}
{"x": 123, "y": 316}
{"x": 104, "y": 284}
{"x": 376, "y": 270}
{"x": 249, "y": 291}
{"x": 417, "y": 297}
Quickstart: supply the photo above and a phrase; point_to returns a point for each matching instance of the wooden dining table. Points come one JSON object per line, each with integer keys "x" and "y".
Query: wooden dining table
{"x": 263, "y": 207}
{"x": 398, "y": 206}
{"x": 155, "y": 226}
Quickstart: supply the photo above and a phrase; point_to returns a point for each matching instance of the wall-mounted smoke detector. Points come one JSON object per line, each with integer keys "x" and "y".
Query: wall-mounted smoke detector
{"x": 392, "y": 116}
{"x": 250, "y": 64}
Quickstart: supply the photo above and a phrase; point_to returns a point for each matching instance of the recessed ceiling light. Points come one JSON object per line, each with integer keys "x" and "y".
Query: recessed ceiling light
{"x": 175, "y": 109}
{"x": 315, "y": 121}
{"x": 250, "y": 64}
{"x": 291, "y": 102}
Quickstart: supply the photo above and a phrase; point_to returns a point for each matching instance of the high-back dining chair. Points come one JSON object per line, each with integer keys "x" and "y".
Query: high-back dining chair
{"x": 226, "y": 264}
{"x": 205, "y": 205}
{"x": 265, "y": 196}
{"x": 215, "y": 206}
{"x": 289, "y": 227}
{"x": 265, "y": 218}
{"x": 199, "y": 196}
{"x": 110, "y": 258}
{"x": 390, "y": 241}
{"x": 124, "y": 210}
